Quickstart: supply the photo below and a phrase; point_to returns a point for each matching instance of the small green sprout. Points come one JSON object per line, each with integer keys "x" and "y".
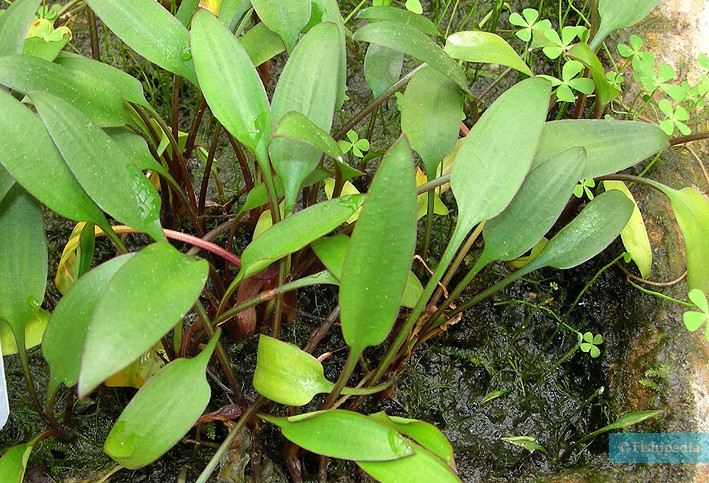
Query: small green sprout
{"x": 673, "y": 118}
{"x": 636, "y": 44}
{"x": 558, "y": 45}
{"x": 529, "y": 23}
{"x": 692, "y": 319}
{"x": 414, "y": 6}
{"x": 357, "y": 145}
{"x": 570, "y": 82}
{"x": 589, "y": 343}
{"x": 585, "y": 186}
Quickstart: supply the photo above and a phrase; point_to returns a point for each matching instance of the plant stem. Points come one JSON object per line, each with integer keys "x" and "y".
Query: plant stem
{"x": 350, "y": 365}
{"x": 688, "y": 139}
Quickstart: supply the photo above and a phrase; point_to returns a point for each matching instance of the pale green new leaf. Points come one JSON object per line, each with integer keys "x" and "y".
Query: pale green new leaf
{"x": 295, "y": 125}
{"x": 634, "y": 235}
{"x": 100, "y": 166}
{"x": 151, "y": 31}
{"x": 430, "y": 116}
{"x": 162, "y": 411}
{"x": 139, "y": 306}
{"x": 35, "y": 326}
{"x": 380, "y": 252}
{"x": 619, "y": 15}
{"x": 287, "y": 19}
{"x": 343, "y": 434}
{"x": 14, "y": 24}
{"x": 13, "y": 463}
{"x": 486, "y": 47}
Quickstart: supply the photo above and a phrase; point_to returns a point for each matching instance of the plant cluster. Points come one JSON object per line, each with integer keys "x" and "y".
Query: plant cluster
{"x": 81, "y": 139}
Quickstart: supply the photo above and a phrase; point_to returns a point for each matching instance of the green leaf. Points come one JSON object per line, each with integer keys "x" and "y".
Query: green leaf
{"x": 598, "y": 224}
{"x": 258, "y": 197}
{"x": 231, "y": 11}
{"x": 287, "y": 375}
{"x": 23, "y": 259}
{"x": 623, "y": 422}
{"x": 139, "y": 306}
{"x": 414, "y": 6}
{"x": 693, "y": 320}
{"x": 308, "y": 84}
{"x": 6, "y": 180}
{"x": 295, "y": 232}
{"x": 610, "y": 145}
{"x": 295, "y": 125}
{"x": 30, "y": 156}
{"x": 66, "y": 332}
{"x": 150, "y": 30}
{"x": 230, "y": 84}
{"x": 13, "y": 463}
{"x": 634, "y": 235}
{"x": 490, "y": 168}
{"x": 135, "y": 147}
{"x": 430, "y": 116}
{"x": 261, "y": 43}
{"x": 343, "y": 434}
{"x": 415, "y": 43}
{"x": 100, "y": 166}
{"x": 412, "y": 291}
{"x": 384, "y": 12}
{"x": 35, "y": 326}
{"x": 479, "y": 46}
{"x": 422, "y": 466}
{"x": 698, "y": 298}
{"x": 14, "y": 25}
{"x": 617, "y": 15}
{"x": 130, "y": 88}
{"x": 425, "y": 434}
{"x": 380, "y": 252}
{"x": 604, "y": 90}
{"x": 162, "y": 411}
{"x": 382, "y": 67}
{"x": 534, "y": 209}
{"x": 287, "y": 19}
{"x": 95, "y": 98}
{"x": 526, "y": 442}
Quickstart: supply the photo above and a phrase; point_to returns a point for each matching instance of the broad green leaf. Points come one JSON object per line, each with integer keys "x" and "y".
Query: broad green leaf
{"x": 598, "y": 224}
{"x": 296, "y": 232}
{"x": 415, "y": 43}
{"x": 96, "y": 98}
{"x": 23, "y": 259}
{"x": 383, "y": 12}
{"x": 526, "y": 442}
{"x": 425, "y": 434}
{"x": 261, "y": 43}
{"x": 329, "y": 11}
{"x": 34, "y": 330}
{"x": 65, "y": 335}
{"x": 44, "y": 41}
{"x": 489, "y": 167}
{"x": 343, "y": 434}
{"x": 187, "y": 8}
{"x": 380, "y": 252}
{"x": 130, "y": 88}
{"x": 100, "y": 166}
{"x": 634, "y": 235}
{"x": 295, "y": 125}
{"x": 605, "y": 92}
{"x": 692, "y": 214}
{"x": 30, "y": 156}
{"x": 230, "y": 84}
{"x": 619, "y": 15}
{"x": 135, "y": 147}
{"x": 412, "y": 291}
{"x": 258, "y": 197}
{"x": 151, "y": 31}
{"x": 231, "y": 11}
{"x": 14, "y": 25}
{"x": 610, "y": 145}
{"x": 534, "y": 209}
{"x": 308, "y": 84}
{"x": 624, "y": 421}
{"x": 287, "y": 19}
{"x": 486, "y": 47}
{"x": 287, "y": 375}
{"x": 162, "y": 411}
{"x": 6, "y": 180}
{"x": 421, "y": 467}
{"x": 382, "y": 67}
{"x": 13, "y": 463}
{"x": 430, "y": 116}
{"x": 141, "y": 303}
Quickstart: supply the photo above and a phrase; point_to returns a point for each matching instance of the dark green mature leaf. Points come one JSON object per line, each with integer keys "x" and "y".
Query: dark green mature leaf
{"x": 619, "y": 15}
{"x": 142, "y": 302}
{"x": 14, "y": 25}
{"x": 261, "y": 43}
{"x": 425, "y": 434}
{"x": 97, "y": 99}
{"x": 308, "y": 84}
{"x": 23, "y": 259}
{"x": 382, "y": 67}
{"x": 30, "y": 156}
{"x": 13, "y": 463}
{"x": 151, "y": 31}
{"x": 162, "y": 411}
{"x": 611, "y": 146}
{"x": 230, "y": 84}
{"x": 384, "y": 12}
{"x": 534, "y": 209}
{"x": 287, "y": 19}
{"x": 430, "y": 116}
{"x": 423, "y": 466}
{"x": 479, "y": 46}
{"x": 415, "y": 43}
{"x": 343, "y": 434}
{"x": 296, "y": 232}
{"x": 598, "y": 224}
{"x": 380, "y": 252}
{"x": 130, "y": 88}
{"x": 65, "y": 335}
{"x": 295, "y": 125}
{"x": 100, "y": 166}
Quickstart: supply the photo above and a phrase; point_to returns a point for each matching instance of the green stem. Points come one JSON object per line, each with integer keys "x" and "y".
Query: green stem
{"x": 433, "y": 184}
{"x": 428, "y": 226}
{"x": 347, "y": 371}
{"x": 661, "y": 295}
{"x": 590, "y": 282}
